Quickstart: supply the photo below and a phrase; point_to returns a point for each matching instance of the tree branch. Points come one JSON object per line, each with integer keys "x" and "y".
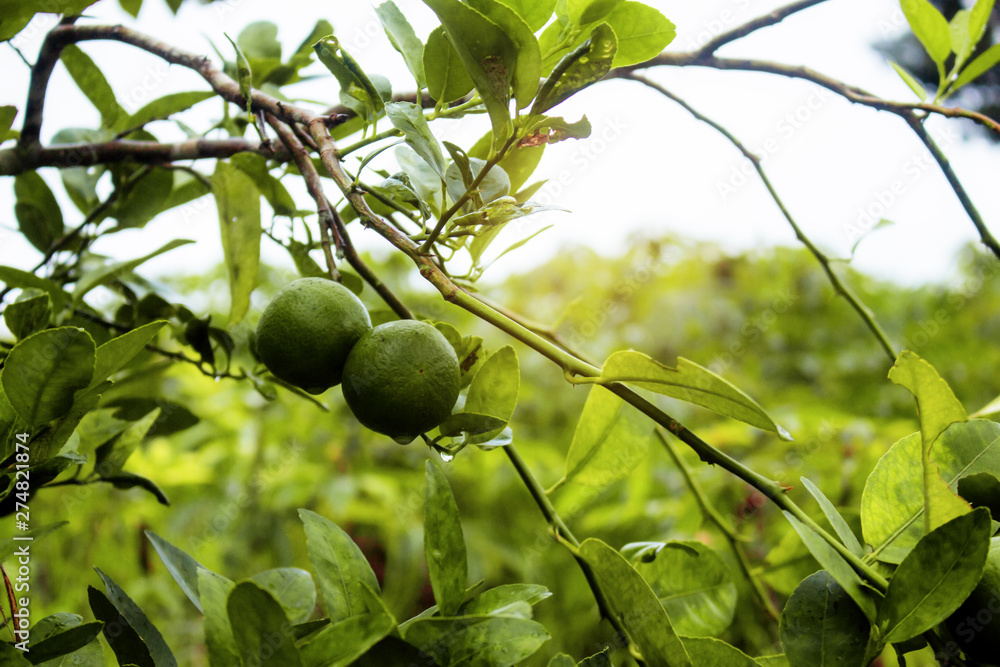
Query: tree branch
{"x": 15, "y": 161}
{"x": 851, "y": 93}
{"x": 739, "y": 32}
{"x": 313, "y": 186}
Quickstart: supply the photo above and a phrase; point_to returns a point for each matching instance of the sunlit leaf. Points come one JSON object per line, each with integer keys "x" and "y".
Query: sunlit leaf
{"x": 444, "y": 544}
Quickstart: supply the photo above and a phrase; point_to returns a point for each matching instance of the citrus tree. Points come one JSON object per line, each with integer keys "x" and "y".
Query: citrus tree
{"x": 910, "y": 569}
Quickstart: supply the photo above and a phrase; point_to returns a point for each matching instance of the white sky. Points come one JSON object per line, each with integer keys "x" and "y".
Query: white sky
{"x": 648, "y": 166}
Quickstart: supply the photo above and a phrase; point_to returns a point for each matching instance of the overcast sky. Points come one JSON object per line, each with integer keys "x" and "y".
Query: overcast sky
{"x": 648, "y": 167}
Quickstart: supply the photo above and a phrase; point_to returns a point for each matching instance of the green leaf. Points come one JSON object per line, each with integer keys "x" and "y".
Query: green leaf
{"x": 166, "y": 106}
{"x": 494, "y": 390}
{"x": 259, "y": 41}
{"x": 910, "y": 81}
{"x": 821, "y": 625}
{"x": 488, "y": 55}
{"x": 978, "y": 19}
{"x": 494, "y": 185}
{"x": 129, "y": 480}
{"x": 578, "y": 69}
{"x": 506, "y": 600}
{"x": 29, "y": 314}
{"x": 292, "y": 588}
{"x": 353, "y": 81}
{"x": 134, "y": 617}
{"x": 562, "y": 660}
{"x": 610, "y": 440}
{"x": 936, "y": 403}
{"x": 536, "y": 13}
{"x": 601, "y": 659}
{"x": 393, "y": 651}
{"x": 131, "y": 6}
{"x": 688, "y": 382}
{"x": 528, "y": 63}
{"x": 10, "y": 656}
{"x": 260, "y": 628}
{"x": 444, "y": 544}
{"x": 936, "y": 577}
{"x": 63, "y": 643}
{"x": 112, "y": 456}
{"x": 403, "y": 39}
{"x": 39, "y": 216}
{"x": 16, "y": 278}
{"x": 985, "y": 61}
{"x": 780, "y": 660}
{"x": 182, "y": 567}
{"x": 693, "y": 584}
{"x": 642, "y": 32}
{"x": 90, "y": 80}
{"x": 838, "y": 568}
{"x": 8, "y": 545}
{"x": 472, "y": 424}
{"x": 519, "y": 163}
{"x": 930, "y": 27}
{"x": 711, "y": 652}
{"x": 340, "y": 644}
{"x": 143, "y": 200}
{"x": 409, "y": 119}
{"x": 238, "y": 201}
{"x": 43, "y": 371}
{"x": 109, "y": 272}
{"x": 961, "y": 44}
{"x": 480, "y": 641}
{"x": 213, "y": 591}
{"x": 582, "y": 12}
{"x": 278, "y": 198}
{"x": 447, "y": 79}
{"x": 636, "y": 606}
{"x": 938, "y": 409}
{"x": 244, "y": 75}
{"x": 7, "y": 114}
{"x": 844, "y": 532}
{"x": 340, "y": 569}
{"x": 112, "y": 356}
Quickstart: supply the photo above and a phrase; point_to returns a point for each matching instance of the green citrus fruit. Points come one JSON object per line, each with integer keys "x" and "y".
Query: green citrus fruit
{"x": 401, "y": 379}
{"x": 306, "y": 332}
{"x": 976, "y": 625}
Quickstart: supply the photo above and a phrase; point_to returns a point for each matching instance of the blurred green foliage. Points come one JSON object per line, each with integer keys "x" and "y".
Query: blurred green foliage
{"x": 768, "y": 321}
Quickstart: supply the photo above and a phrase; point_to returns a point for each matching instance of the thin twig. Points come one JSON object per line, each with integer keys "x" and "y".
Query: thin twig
{"x": 741, "y": 31}
{"x": 315, "y": 188}
{"x": 841, "y": 288}
{"x": 457, "y": 206}
{"x": 956, "y": 185}
{"x": 560, "y": 530}
{"x": 369, "y": 276}
{"x": 727, "y": 531}
{"x": 851, "y": 93}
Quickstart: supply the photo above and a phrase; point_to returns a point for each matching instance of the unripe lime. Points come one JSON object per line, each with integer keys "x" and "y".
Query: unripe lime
{"x": 975, "y": 627}
{"x": 401, "y": 379}
{"x": 306, "y": 332}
